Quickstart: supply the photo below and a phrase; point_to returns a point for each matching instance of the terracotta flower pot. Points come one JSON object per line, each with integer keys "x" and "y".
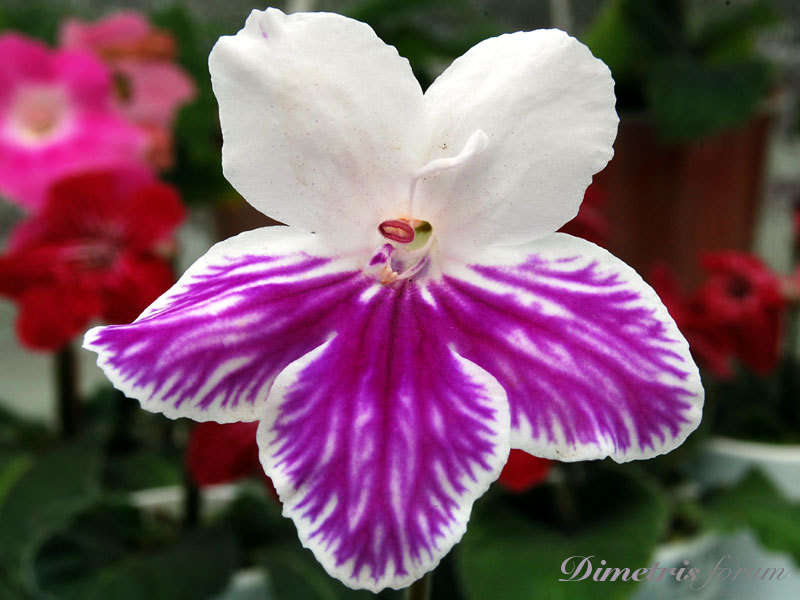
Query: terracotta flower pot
{"x": 667, "y": 203}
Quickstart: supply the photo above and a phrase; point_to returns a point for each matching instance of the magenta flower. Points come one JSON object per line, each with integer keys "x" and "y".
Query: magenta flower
{"x": 418, "y": 317}
{"x": 56, "y": 119}
{"x": 150, "y": 86}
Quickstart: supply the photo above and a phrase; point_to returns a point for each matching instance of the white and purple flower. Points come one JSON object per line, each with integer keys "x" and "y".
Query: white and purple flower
{"x": 418, "y": 317}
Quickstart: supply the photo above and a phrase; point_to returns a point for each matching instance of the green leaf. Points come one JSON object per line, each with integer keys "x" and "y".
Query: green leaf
{"x": 141, "y": 470}
{"x": 17, "y": 432}
{"x": 198, "y": 138}
{"x": 34, "y": 18}
{"x": 115, "y": 551}
{"x": 256, "y": 521}
{"x": 755, "y": 503}
{"x": 730, "y": 34}
{"x": 515, "y": 546}
{"x": 49, "y": 490}
{"x": 11, "y": 469}
{"x": 691, "y": 100}
{"x": 611, "y": 39}
{"x": 294, "y": 574}
{"x": 628, "y": 34}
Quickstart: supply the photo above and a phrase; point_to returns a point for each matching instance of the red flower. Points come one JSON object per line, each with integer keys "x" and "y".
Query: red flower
{"x": 744, "y": 298}
{"x": 796, "y": 219}
{"x": 94, "y": 250}
{"x": 221, "y": 453}
{"x": 523, "y": 471}
{"x": 736, "y": 313}
{"x": 708, "y": 342}
{"x": 590, "y": 223}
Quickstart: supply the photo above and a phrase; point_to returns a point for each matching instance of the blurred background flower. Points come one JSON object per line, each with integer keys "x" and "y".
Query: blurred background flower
{"x": 56, "y": 118}
{"x": 98, "y": 248}
{"x": 149, "y": 86}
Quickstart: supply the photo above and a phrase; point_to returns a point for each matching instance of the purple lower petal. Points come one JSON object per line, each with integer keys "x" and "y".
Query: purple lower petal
{"x": 592, "y": 363}
{"x": 211, "y": 347}
{"x": 379, "y": 441}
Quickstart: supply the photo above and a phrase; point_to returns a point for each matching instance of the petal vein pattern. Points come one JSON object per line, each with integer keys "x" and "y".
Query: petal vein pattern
{"x": 379, "y": 442}
{"x": 211, "y": 347}
{"x": 592, "y": 363}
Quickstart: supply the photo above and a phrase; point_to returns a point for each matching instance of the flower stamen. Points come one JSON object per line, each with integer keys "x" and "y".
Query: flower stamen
{"x": 397, "y": 230}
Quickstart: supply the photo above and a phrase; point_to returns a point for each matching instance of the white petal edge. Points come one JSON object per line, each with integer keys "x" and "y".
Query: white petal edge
{"x": 259, "y": 242}
{"x": 317, "y": 112}
{"x": 561, "y": 245}
{"x": 547, "y": 107}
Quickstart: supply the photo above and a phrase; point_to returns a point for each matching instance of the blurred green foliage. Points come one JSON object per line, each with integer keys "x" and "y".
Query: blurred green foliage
{"x": 697, "y": 73}
{"x": 755, "y": 503}
{"x": 198, "y": 137}
{"x": 429, "y": 33}
{"x": 612, "y": 514}
{"x": 113, "y": 550}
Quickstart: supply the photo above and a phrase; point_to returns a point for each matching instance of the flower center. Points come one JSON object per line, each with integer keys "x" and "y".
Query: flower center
{"x": 407, "y": 251}
{"x": 156, "y": 45}
{"x": 410, "y": 248}
{"x": 122, "y": 86}
{"x": 39, "y": 113}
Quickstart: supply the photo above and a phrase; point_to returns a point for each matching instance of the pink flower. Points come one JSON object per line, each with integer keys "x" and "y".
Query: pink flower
{"x": 150, "y": 86}
{"x": 56, "y": 118}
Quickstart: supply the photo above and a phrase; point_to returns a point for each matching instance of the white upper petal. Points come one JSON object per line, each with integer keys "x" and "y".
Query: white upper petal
{"x": 323, "y": 124}
{"x": 547, "y": 107}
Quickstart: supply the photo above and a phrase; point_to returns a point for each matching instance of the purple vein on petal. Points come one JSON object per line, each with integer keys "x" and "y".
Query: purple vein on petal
{"x": 581, "y": 359}
{"x": 221, "y": 339}
{"x": 382, "y": 439}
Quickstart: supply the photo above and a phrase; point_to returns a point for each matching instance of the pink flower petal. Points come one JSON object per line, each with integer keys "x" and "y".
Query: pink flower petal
{"x": 56, "y": 119}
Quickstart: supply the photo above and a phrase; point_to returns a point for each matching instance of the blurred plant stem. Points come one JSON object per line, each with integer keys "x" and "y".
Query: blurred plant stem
{"x": 793, "y": 338}
{"x": 565, "y": 499}
{"x": 191, "y": 502}
{"x": 421, "y": 588}
{"x": 69, "y": 403}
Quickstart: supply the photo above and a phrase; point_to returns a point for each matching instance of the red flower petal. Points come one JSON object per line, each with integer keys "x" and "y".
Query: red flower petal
{"x": 153, "y": 213}
{"x": 137, "y": 280}
{"x": 40, "y": 327}
{"x": 220, "y": 453}
{"x": 523, "y": 471}
{"x": 91, "y": 252}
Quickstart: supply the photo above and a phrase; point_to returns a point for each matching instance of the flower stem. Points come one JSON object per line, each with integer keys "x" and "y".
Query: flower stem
{"x": 789, "y": 393}
{"x": 565, "y": 499}
{"x": 420, "y": 589}
{"x": 191, "y": 502}
{"x": 69, "y": 404}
